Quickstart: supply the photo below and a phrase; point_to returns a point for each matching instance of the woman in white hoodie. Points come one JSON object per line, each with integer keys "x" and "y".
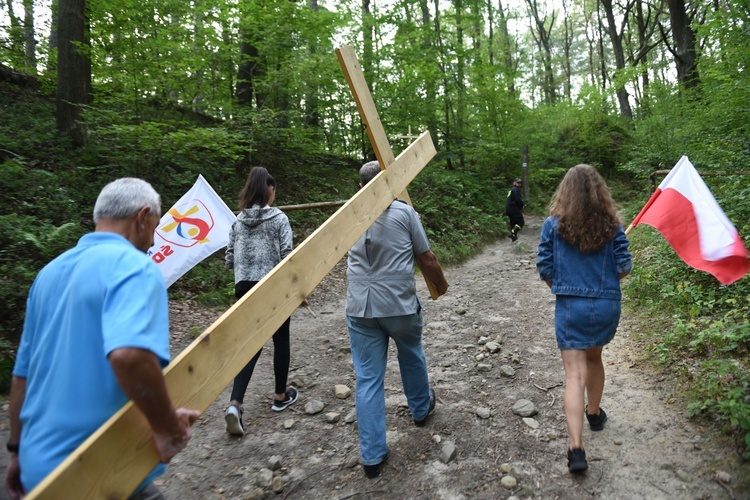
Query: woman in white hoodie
{"x": 259, "y": 239}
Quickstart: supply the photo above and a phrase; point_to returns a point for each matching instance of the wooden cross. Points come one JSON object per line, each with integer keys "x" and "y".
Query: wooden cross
{"x": 408, "y": 135}
{"x": 114, "y": 460}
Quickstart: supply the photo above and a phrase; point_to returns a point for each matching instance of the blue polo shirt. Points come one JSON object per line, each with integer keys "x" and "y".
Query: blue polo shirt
{"x": 99, "y": 296}
{"x": 380, "y": 266}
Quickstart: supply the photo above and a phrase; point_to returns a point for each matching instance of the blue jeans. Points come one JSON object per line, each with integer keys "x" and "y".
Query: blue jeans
{"x": 369, "y": 341}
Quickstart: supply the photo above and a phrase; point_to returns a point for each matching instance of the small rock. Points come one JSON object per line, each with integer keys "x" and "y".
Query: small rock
{"x": 505, "y": 468}
{"x": 341, "y": 391}
{"x": 351, "y": 417}
{"x": 724, "y": 477}
{"x": 524, "y": 408}
{"x": 264, "y": 479}
{"x": 256, "y": 494}
{"x": 483, "y": 413}
{"x": 508, "y": 482}
{"x": 288, "y": 423}
{"x": 448, "y": 452}
{"x": 479, "y": 357}
{"x": 351, "y": 461}
{"x": 274, "y": 463}
{"x": 314, "y": 407}
{"x": 277, "y": 485}
{"x": 437, "y": 438}
{"x": 460, "y": 311}
{"x": 618, "y": 442}
{"x": 507, "y": 371}
{"x": 333, "y": 417}
{"x": 551, "y": 436}
{"x": 531, "y": 422}
{"x": 493, "y": 347}
{"x": 682, "y": 475}
{"x": 483, "y": 367}
{"x": 483, "y": 340}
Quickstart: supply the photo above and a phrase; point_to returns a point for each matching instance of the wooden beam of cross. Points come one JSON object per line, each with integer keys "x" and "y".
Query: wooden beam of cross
{"x": 369, "y": 113}
{"x": 120, "y": 454}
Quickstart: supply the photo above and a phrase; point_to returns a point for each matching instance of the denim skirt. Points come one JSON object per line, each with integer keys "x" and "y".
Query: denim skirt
{"x": 585, "y": 322}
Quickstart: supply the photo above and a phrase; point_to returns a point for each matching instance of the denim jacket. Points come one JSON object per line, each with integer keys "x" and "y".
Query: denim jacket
{"x": 583, "y": 275}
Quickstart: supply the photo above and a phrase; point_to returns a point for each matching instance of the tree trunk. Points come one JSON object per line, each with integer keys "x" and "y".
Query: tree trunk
{"x": 312, "y": 115}
{"x": 250, "y": 70}
{"x": 622, "y": 93}
{"x": 73, "y": 69}
{"x": 685, "y": 55}
{"x": 460, "y": 82}
{"x": 429, "y": 83}
{"x": 542, "y": 35}
{"x": 29, "y": 37}
{"x": 510, "y": 64}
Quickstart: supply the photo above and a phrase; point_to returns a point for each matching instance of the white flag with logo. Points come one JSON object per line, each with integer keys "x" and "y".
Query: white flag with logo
{"x": 194, "y": 228}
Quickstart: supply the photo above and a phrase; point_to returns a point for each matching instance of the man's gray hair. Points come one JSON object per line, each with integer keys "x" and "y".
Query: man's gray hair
{"x": 122, "y": 198}
{"x": 368, "y": 172}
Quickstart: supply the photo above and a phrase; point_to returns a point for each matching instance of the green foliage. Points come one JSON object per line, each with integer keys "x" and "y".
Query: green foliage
{"x": 460, "y": 211}
{"x": 703, "y": 332}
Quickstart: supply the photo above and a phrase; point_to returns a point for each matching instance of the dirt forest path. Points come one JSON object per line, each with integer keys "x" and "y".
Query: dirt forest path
{"x": 489, "y": 343}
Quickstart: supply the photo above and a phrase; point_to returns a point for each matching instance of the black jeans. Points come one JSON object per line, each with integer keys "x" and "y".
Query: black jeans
{"x": 281, "y": 354}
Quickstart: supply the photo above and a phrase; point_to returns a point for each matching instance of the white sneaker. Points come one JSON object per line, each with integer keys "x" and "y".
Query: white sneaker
{"x": 234, "y": 421}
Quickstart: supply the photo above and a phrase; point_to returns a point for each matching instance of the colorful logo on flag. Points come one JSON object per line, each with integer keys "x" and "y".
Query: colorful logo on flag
{"x": 190, "y": 224}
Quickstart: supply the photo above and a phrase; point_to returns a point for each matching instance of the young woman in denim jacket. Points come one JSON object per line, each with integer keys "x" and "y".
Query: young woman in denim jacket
{"x": 583, "y": 255}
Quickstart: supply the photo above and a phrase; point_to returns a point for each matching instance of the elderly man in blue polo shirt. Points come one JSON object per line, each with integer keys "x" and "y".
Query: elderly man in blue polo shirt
{"x": 96, "y": 334}
{"x": 382, "y": 304}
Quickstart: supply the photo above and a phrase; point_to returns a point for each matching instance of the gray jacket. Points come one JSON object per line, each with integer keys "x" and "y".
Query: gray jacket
{"x": 259, "y": 239}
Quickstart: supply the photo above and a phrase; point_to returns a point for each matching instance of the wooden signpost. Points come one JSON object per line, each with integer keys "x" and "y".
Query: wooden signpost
{"x": 121, "y": 453}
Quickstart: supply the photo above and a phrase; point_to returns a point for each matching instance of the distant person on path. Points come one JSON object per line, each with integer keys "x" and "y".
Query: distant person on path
{"x": 382, "y": 304}
{"x": 514, "y": 208}
{"x": 96, "y": 334}
{"x": 583, "y": 255}
{"x": 259, "y": 239}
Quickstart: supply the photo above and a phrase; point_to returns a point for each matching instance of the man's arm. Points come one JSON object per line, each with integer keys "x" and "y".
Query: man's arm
{"x": 431, "y": 270}
{"x": 140, "y": 377}
{"x": 17, "y": 397}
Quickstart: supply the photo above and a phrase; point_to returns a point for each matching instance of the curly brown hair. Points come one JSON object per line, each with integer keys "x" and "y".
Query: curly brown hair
{"x": 586, "y": 213}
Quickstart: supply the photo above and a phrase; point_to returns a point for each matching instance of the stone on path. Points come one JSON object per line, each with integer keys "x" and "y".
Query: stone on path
{"x": 264, "y": 479}
{"x": 508, "y": 482}
{"x": 314, "y": 406}
{"x": 277, "y": 485}
{"x": 493, "y": 347}
{"x": 507, "y": 371}
{"x": 524, "y": 408}
{"x": 288, "y": 423}
{"x": 724, "y": 477}
{"x": 341, "y": 391}
{"x": 351, "y": 417}
{"x": 484, "y": 367}
{"x": 448, "y": 452}
{"x": 274, "y": 463}
{"x": 531, "y": 422}
{"x": 483, "y": 413}
{"x": 332, "y": 417}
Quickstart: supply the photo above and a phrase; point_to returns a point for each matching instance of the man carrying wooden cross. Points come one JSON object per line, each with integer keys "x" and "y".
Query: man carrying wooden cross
{"x": 382, "y": 303}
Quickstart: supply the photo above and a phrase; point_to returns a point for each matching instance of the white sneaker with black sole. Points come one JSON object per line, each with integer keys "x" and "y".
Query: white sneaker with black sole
{"x": 234, "y": 421}
{"x": 291, "y": 397}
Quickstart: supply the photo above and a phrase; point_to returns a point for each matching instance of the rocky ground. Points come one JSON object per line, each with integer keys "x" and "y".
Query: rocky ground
{"x": 490, "y": 345}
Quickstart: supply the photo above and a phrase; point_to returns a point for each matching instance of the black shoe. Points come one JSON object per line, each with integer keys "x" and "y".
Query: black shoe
{"x": 513, "y": 236}
{"x": 596, "y": 422}
{"x": 373, "y": 471}
{"x": 291, "y": 397}
{"x": 423, "y": 422}
{"x": 577, "y": 460}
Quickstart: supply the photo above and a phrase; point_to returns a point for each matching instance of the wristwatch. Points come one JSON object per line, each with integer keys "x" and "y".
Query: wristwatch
{"x": 12, "y": 448}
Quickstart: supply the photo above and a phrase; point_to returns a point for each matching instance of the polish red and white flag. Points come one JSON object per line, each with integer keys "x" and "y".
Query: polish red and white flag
{"x": 685, "y": 212}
